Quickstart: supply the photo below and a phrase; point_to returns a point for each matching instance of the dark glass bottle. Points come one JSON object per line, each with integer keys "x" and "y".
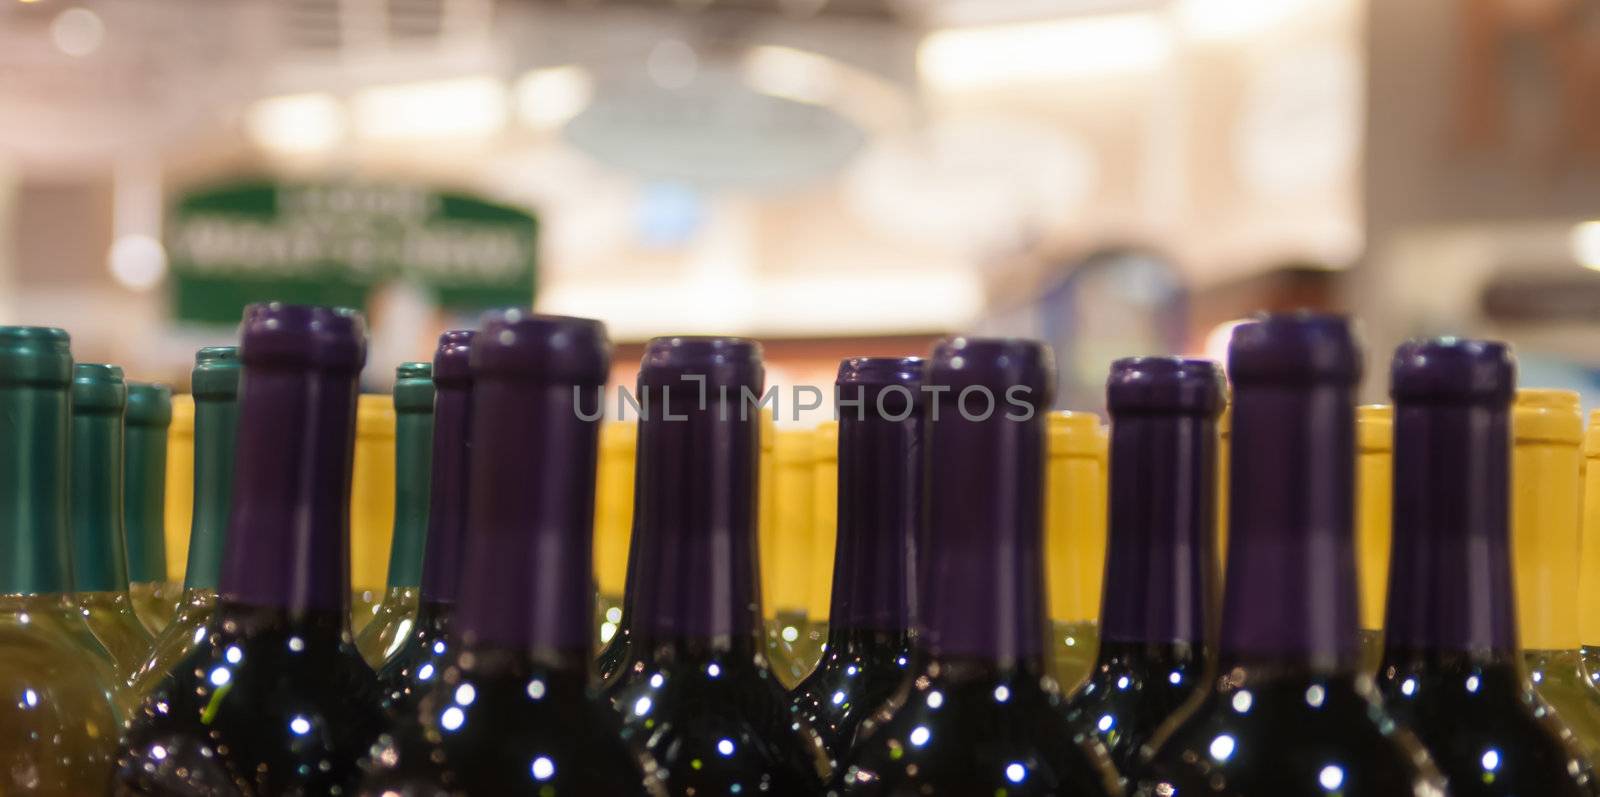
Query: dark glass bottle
{"x": 1160, "y": 571}
{"x": 99, "y": 558}
{"x": 421, "y": 654}
{"x": 274, "y": 699}
{"x": 879, "y": 508}
{"x": 1289, "y": 711}
{"x": 396, "y": 616}
{"x": 215, "y": 385}
{"x": 1451, "y": 669}
{"x": 695, "y": 690}
{"x": 512, "y": 712}
{"x": 144, "y": 503}
{"x": 979, "y": 715}
{"x": 59, "y": 718}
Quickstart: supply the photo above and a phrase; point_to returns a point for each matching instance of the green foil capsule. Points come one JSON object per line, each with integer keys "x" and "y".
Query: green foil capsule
{"x": 144, "y": 481}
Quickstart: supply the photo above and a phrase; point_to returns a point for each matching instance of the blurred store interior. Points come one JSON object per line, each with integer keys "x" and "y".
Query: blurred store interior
{"x": 835, "y": 177}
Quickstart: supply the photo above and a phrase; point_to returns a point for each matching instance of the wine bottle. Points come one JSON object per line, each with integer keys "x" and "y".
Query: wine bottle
{"x": 413, "y": 457}
{"x": 1160, "y": 571}
{"x": 1289, "y": 711}
{"x": 275, "y": 699}
{"x": 214, "y": 420}
{"x": 1075, "y": 544}
{"x": 99, "y": 559}
{"x": 512, "y": 712}
{"x": 371, "y": 506}
{"x": 144, "y": 480}
{"x": 1451, "y": 669}
{"x": 613, "y": 524}
{"x": 794, "y": 534}
{"x": 1374, "y": 488}
{"x": 58, "y": 721}
{"x": 695, "y": 691}
{"x": 824, "y": 530}
{"x": 1589, "y": 561}
{"x": 878, "y": 489}
{"x": 179, "y": 511}
{"x": 421, "y": 652}
{"x": 1547, "y": 431}
{"x": 979, "y": 715}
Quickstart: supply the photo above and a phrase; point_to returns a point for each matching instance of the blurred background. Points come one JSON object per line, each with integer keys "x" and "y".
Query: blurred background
{"x": 835, "y": 177}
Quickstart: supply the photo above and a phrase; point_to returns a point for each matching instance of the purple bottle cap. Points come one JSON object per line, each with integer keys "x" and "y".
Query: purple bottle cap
{"x": 303, "y": 336}
{"x": 1291, "y": 574}
{"x": 536, "y": 408}
{"x": 449, "y": 480}
{"x": 1450, "y": 577}
{"x": 1165, "y": 384}
{"x": 880, "y": 493}
{"x": 984, "y": 582}
{"x": 1295, "y": 348}
{"x": 695, "y": 493}
{"x": 288, "y": 540}
{"x": 1453, "y": 370}
{"x": 1160, "y": 566}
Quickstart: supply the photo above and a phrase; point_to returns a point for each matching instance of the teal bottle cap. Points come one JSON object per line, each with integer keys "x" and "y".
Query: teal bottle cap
{"x": 40, "y": 356}
{"x": 216, "y": 372}
{"x": 149, "y": 405}
{"x": 413, "y": 387}
{"x": 98, "y": 387}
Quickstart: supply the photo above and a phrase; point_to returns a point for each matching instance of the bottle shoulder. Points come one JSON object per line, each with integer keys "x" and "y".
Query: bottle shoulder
{"x": 282, "y": 706}
{"x": 505, "y": 725}
{"x": 61, "y": 716}
{"x": 849, "y": 683}
{"x": 728, "y": 713}
{"x": 1126, "y": 698}
{"x": 1286, "y": 733}
{"x": 976, "y": 735}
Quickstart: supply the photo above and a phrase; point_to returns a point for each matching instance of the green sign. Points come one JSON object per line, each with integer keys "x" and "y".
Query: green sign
{"x": 334, "y": 243}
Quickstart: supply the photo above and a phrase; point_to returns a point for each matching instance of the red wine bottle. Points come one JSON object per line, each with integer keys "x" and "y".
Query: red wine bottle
{"x": 510, "y": 710}
{"x": 695, "y": 691}
{"x": 1289, "y": 711}
{"x": 275, "y": 699}
{"x": 879, "y": 508}
{"x": 1160, "y": 570}
{"x": 979, "y": 715}
{"x": 1451, "y": 666}
{"x": 414, "y": 666}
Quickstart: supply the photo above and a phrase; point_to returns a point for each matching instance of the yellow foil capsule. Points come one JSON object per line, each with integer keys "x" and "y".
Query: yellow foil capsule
{"x": 1374, "y": 502}
{"x": 824, "y": 520}
{"x": 1075, "y": 543}
{"x": 371, "y": 505}
{"x": 180, "y": 485}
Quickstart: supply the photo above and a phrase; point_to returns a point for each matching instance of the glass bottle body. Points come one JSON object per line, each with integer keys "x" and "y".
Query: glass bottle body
{"x": 1131, "y": 691}
{"x": 859, "y": 672}
{"x": 1074, "y": 646}
{"x": 177, "y": 640}
{"x": 1286, "y": 730}
{"x": 716, "y": 721}
{"x": 1484, "y": 726}
{"x": 417, "y": 661}
{"x": 396, "y": 615}
{"x": 266, "y": 703}
{"x": 1561, "y": 680}
{"x": 112, "y": 620}
{"x": 154, "y": 603}
{"x": 59, "y": 723}
{"x": 505, "y": 723}
{"x": 970, "y": 726}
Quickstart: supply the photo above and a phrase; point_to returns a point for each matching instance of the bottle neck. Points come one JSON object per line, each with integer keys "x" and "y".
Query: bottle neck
{"x": 99, "y": 558}
{"x": 1160, "y": 566}
{"x": 695, "y": 525}
{"x": 984, "y": 582}
{"x": 34, "y": 478}
{"x": 532, "y": 508}
{"x": 413, "y": 457}
{"x": 288, "y": 539}
{"x": 448, "y": 486}
{"x": 216, "y": 424}
{"x": 880, "y": 495}
{"x": 1450, "y": 576}
{"x": 1291, "y": 586}
{"x": 1545, "y": 538}
{"x": 144, "y": 477}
